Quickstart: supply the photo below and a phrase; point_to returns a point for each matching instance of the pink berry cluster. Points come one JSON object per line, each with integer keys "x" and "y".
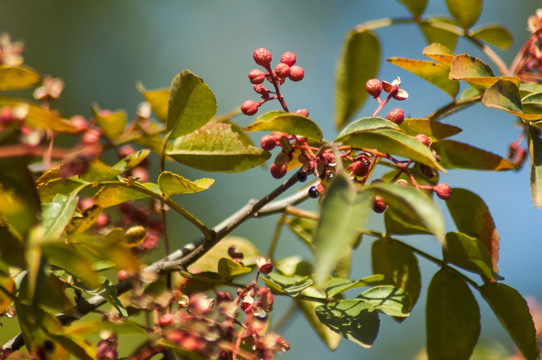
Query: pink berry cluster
{"x": 286, "y": 69}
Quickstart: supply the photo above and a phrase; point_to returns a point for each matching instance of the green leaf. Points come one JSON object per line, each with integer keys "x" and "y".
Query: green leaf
{"x": 98, "y": 171}
{"x": 228, "y": 269}
{"x": 432, "y": 72}
{"x": 358, "y": 62}
{"x": 392, "y": 141}
{"x": 75, "y": 345}
{"x": 288, "y": 123}
{"x": 472, "y": 217}
{"x": 457, "y": 155}
{"x": 434, "y": 129}
{"x": 367, "y": 124}
{"x": 112, "y": 124}
{"x": 416, "y": 7}
{"x": 18, "y": 77}
{"x": 11, "y": 248}
{"x": 468, "y": 253}
{"x": 409, "y": 200}
{"x": 513, "y": 313}
{"x": 337, "y": 286}
{"x": 535, "y": 152}
{"x": 343, "y": 213}
{"x": 389, "y": 299}
{"x": 439, "y": 53}
{"x": 290, "y": 285}
{"x": 452, "y": 318}
{"x": 399, "y": 265}
{"x": 532, "y": 103}
{"x": 172, "y": 184}
{"x": 215, "y": 147}
{"x": 208, "y": 261}
{"x": 494, "y": 34}
{"x": 439, "y": 30}
{"x": 109, "y": 196}
{"x": 303, "y": 228}
{"x": 469, "y": 68}
{"x": 191, "y": 104}
{"x": 465, "y": 12}
{"x": 132, "y": 160}
{"x": 355, "y": 320}
{"x": 504, "y": 95}
{"x": 158, "y": 99}
{"x": 71, "y": 260}
{"x": 57, "y": 215}
{"x": 403, "y": 223}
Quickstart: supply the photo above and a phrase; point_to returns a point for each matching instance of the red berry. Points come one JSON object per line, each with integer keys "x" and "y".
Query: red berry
{"x": 166, "y": 320}
{"x": 250, "y": 107}
{"x": 268, "y": 142}
{"x": 278, "y": 171}
{"x": 265, "y": 266}
{"x": 256, "y": 76}
{"x": 303, "y": 112}
{"x": 79, "y": 123}
{"x": 262, "y": 57}
{"x": 91, "y": 136}
{"x": 296, "y": 73}
{"x": 443, "y": 191}
{"x": 123, "y": 275}
{"x": 396, "y": 115}
{"x": 288, "y": 58}
{"x": 379, "y": 205}
{"x": 360, "y": 168}
{"x": 424, "y": 139}
{"x": 282, "y": 70}
{"x": 374, "y": 87}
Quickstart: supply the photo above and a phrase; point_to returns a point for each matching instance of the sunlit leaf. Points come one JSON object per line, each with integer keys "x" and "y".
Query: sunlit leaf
{"x": 439, "y": 53}
{"x": 392, "y": 141}
{"x": 209, "y": 261}
{"x": 403, "y": 223}
{"x": 388, "y": 299}
{"x": 303, "y": 228}
{"x": 434, "y": 129}
{"x": 367, "y": 124}
{"x": 468, "y": 253}
{"x": 465, "y": 12}
{"x": 535, "y": 152}
{"x": 228, "y": 269}
{"x": 452, "y": 318}
{"x": 158, "y": 99}
{"x": 132, "y": 160}
{"x": 410, "y": 200}
{"x": 109, "y": 196}
{"x": 472, "y": 217}
{"x": 288, "y": 123}
{"x": 416, "y": 7}
{"x": 343, "y": 213}
{"x": 494, "y": 34}
{"x": 98, "y": 171}
{"x": 532, "y": 103}
{"x": 358, "y": 62}
{"x": 172, "y": 184}
{"x": 74, "y": 345}
{"x": 294, "y": 265}
{"x": 8, "y": 285}
{"x": 337, "y": 286}
{"x": 356, "y": 320}
{"x": 457, "y": 155}
{"x": 191, "y": 104}
{"x": 112, "y": 124}
{"x": 399, "y": 265}
{"x": 57, "y": 215}
{"x": 71, "y": 260}
{"x": 289, "y": 285}
{"x": 18, "y": 77}
{"x": 215, "y": 147}
{"x": 432, "y": 72}
{"x": 11, "y": 248}
{"x": 513, "y": 313}
{"x": 439, "y": 30}
{"x": 504, "y": 95}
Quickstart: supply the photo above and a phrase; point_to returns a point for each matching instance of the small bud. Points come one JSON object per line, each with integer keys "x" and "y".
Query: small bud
{"x": 296, "y": 73}
{"x": 396, "y": 115}
{"x": 278, "y": 171}
{"x": 282, "y": 70}
{"x": 166, "y": 320}
{"x": 303, "y": 112}
{"x": 424, "y": 139}
{"x": 374, "y": 87}
{"x": 268, "y": 142}
{"x": 443, "y": 191}
{"x": 379, "y": 205}
{"x": 123, "y": 275}
{"x": 250, "y": 107}
{"x": 262, "y": 57}
{"x": 256, "y": 76}
{"x": 288, "y": 58}
{"x": 91, "y": 136}
{"x": 79, "y": 123}
{"x": 265, "y": 266}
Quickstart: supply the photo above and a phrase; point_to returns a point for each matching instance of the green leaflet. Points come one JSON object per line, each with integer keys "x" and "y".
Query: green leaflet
{"x": 172, "y": 184}
{"x": 158, "y": 99}
{"x": 57, "y": 215}
{"x": 18, "y": 77}
{"x": 112, "y": 125}
{"x": 468, "y": 253}
{"x": 288, "y": 123}
{"x": 465, "y": 12}
{"x": 416, "y": 7}
{"x": 535, "y": 152}
{"x": 457, "y": 155}
{"x": 494, "y": 34}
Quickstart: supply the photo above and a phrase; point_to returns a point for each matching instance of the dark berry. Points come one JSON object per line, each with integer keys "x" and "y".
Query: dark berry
{"x": 301, "y": 176}
{"x": 262, "y": 57}
{"x": 249, "y": 107}
{"x": 268, "y": 142}
{"x": 360, "y": 167}
{"x": 374, "y": 87}
{"x": 288, "y": 58}
{"x": 443, "y": 191}
{"x": 278, "y": 171}
{"x": 296, "y": 73}
{"x": 424, "y": 139}
{"x": 256, "y": 76}
{"x": 313, "y": 193}
{"x": 396, "y": 115}
{"x": 282, "y": 70}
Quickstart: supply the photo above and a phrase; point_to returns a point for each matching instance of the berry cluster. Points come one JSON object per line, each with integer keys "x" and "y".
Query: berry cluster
{"x": 286, "y": 69}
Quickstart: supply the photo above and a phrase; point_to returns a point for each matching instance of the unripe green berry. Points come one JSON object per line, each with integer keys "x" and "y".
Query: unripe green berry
{"x": 250, "y": 107}
{"x": 396, "y": 115}
{"x": 288, "y": 58}
{"x": 374, "y": 87}
{"x": 296, "y": 73}
{"x": 262, "y": 57}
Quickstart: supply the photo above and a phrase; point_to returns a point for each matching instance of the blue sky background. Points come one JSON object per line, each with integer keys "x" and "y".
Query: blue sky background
{"x": 102, "y": 48}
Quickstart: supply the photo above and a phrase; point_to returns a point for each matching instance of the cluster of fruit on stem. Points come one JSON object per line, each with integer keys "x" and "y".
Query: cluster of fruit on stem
{"x": 319, "y": 159}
